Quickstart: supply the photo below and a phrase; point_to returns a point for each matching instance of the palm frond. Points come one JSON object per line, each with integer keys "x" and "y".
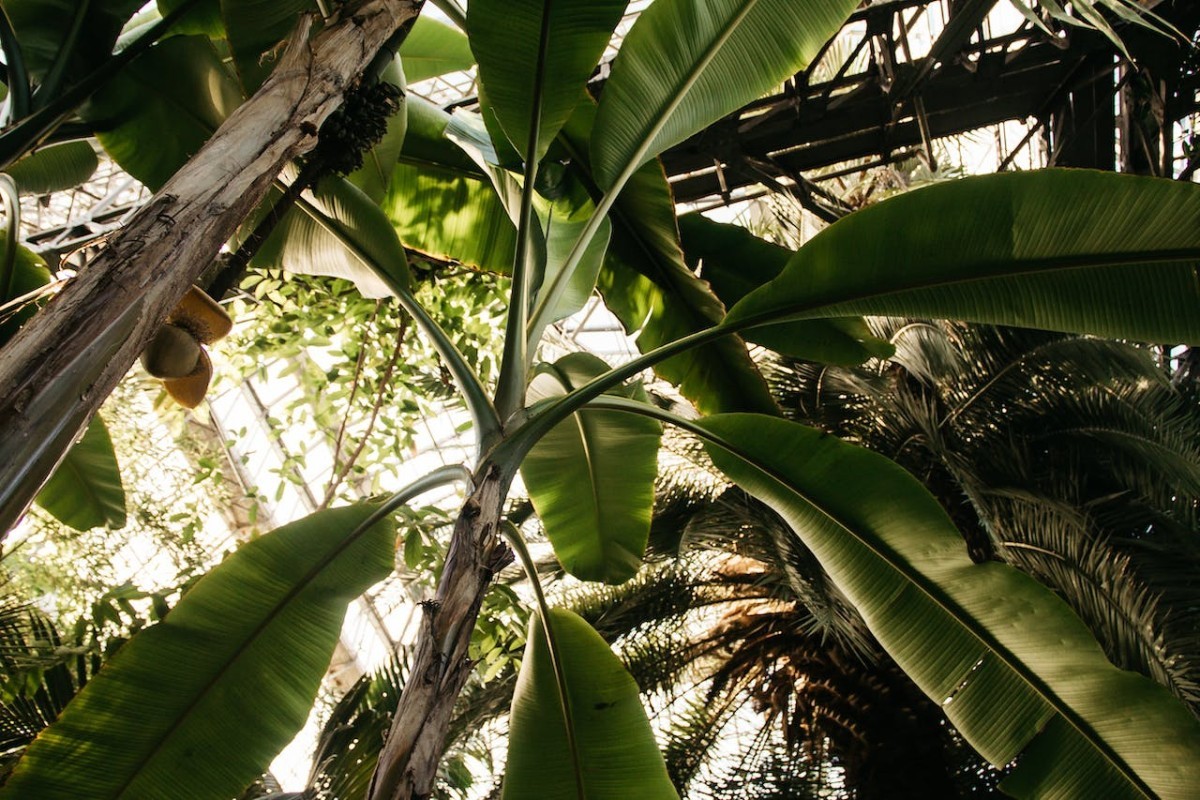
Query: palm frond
{"x": 1099, "y": 582}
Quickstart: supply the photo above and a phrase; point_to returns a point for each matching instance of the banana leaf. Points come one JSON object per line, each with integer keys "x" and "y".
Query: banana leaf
{"x": 196, "y": 706}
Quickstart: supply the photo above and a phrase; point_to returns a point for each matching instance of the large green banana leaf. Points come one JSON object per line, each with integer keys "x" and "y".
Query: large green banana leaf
{"x": 440, "y": 201}
{"x": 591, "y": 478}
{"x": 650, "y": 289}
{"x": 618, "y": 758}
{"x": 687, "y": 63}
{"x": 196, "y": 706}
{"x": 85, "y": 490}
{"x": 534, "y": 59}
{"x": 450, "y": 217}
{"x": 336, "y": 230}
{"x": 1017, "y": 673}
{"x": 433, "y": 48}
{"x": 427, "y": 145}
{"x": 1068, "y": 250}
{"x": 54, "y": 168}
{"x": 157, "y": 112}
{"x": 734, "y": 262}
{"x": 43, "y": 26}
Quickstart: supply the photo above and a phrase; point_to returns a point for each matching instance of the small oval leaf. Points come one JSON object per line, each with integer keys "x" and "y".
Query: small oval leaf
{"x": 54, "y": 168}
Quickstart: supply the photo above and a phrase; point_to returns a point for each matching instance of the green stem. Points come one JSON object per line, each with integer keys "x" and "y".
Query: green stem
{"x": 28, "y": 132}
{"x": 442, "y": 476}
{"x": 454, "y": 11}
{"x": 510, "y": 396}
{"x": 12, "y": 224}
{"x": 233, "y": 270}
{"x": 58, "y": 69}
{"x": 544, "y": 416}
{"x": 510, "y": 393}
{"x": 549, "y": 298}
{"x": 18, "y": 75}
{"x": 483, "y": 414}
{"x": 510, "y": 532}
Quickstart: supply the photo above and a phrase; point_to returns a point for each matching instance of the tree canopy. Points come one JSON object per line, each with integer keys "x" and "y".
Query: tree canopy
{"x": 991, "y": 568}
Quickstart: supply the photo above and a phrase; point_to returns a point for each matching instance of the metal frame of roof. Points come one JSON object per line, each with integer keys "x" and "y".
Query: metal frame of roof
{"x": 907, "y": 93}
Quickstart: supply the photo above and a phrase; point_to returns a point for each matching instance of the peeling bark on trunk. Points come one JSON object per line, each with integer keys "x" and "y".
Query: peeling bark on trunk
{"x": 62, "y": 365}
{"x": 408, "y": 762}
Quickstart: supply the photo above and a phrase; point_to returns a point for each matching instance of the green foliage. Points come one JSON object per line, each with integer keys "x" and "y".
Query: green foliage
{"x": 1018, "y": 674}
{"x": 617, "y": 755}
{"x": 899, "y": 559}
{"x": 85, "y": 490}
{"x": 29, "y": 274}
{"x": 205, "y": 17}
{"x": 43, "y": 666}
{"x": 534, "y": 59}
{"x": 43, "y": 27}
{"x": 255, "y": 29}
{"x": 440, "y": 201}
{"x": 1058, "y": 249}
{"x": 175, "y": 95}
{"x": 376, "y": 173}
{"x": 54, "y": 168}
{"x": 338, "y": 346}
{"x": 650, "y": 289}
{"x": 591, "y": 479}
{"x": 337, "y": 231}
{"x": 1006, "y": 419}
{"x": 736, "y": 263}
{"x": 175, "y": 479}
{"x": 273, "y": 608}
{"x": 433, "y": 48}
{"x": 666, "y": 86}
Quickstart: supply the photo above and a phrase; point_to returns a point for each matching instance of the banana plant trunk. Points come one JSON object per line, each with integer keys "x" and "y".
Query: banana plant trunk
{"x": 61, "y": 366}
{"x": 413, "y": 748}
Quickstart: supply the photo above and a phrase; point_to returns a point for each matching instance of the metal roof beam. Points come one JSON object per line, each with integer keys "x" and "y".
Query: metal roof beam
{"x": 965, "y": 17}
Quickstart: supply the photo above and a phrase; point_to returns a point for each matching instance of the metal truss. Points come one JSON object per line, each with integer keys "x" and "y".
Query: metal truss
{"x": 904, "y": 73}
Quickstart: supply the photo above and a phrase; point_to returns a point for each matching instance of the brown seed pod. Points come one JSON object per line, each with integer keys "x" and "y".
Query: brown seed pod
{"x": 189, "y": 390}
{"x": 201, "y": 316}
{"x": 172, "y": 353}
